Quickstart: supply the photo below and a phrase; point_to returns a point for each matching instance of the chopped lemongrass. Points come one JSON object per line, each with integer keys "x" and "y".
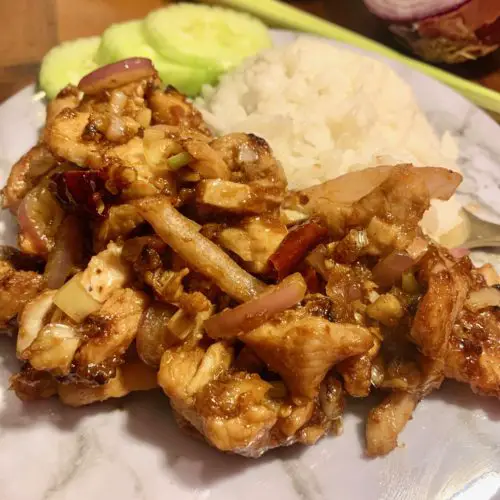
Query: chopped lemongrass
{"x": 179, "y": 160}
{"x": 409, "y": 283}
{"x": 75, "y": 301}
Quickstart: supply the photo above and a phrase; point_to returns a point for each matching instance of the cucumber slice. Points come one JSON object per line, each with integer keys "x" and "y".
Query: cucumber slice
{"x": 67, "y": 63}
{"x": 124, "y": 40}
{"x": 204, "y": 36}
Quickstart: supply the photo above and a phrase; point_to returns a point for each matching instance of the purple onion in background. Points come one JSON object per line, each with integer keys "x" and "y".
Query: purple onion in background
{"x": 448, "y": 31}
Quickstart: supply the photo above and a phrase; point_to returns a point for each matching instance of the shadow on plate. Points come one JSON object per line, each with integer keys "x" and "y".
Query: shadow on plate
{"x": 461, "y": 396}
{"x": 148, "y": 419}
{"x": 151, "y": 420}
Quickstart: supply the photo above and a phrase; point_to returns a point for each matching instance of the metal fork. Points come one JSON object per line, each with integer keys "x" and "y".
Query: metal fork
{"x": 480, "y": 234}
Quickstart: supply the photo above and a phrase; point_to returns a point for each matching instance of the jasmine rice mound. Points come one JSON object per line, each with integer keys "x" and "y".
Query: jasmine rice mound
{"x": 326, "y": 111}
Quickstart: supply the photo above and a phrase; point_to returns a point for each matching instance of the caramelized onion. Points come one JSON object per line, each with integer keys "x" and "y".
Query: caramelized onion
{"x": 458, "y": 253}
{"x": 390, "y": 269}
{"x": 351, "y": 187}
{"x": 153, "y": 335}
{"x": 254, "y": 313}
{"x": 67, "y": 252}
{"x": 199, "y": 252}
{"x": 297, "y": 243}
{"x": 39, "y": 215}
{"x": 116, "y": 74}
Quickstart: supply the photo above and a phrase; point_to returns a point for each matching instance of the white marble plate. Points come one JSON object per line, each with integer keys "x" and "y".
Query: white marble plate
{"x": 132, "y": 450}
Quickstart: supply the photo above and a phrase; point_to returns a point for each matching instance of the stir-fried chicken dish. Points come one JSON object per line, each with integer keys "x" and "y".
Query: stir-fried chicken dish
{"x": 154, "y": 254}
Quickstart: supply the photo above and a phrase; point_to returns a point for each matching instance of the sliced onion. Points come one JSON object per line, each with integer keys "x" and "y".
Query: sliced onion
{"x": 482, "y": 299}
{"x": 254, "y": 313}
{"x": 458, "y": 253}
{"x": 67, "y": 252}
{"x": 412, "y": 10}
{"x": 391, "y": 268}
{"x": 32, "y": 320}
{"x": 153, "y": 334}
{"x": 39, "y": 215}
{"x": 116, "y": 74}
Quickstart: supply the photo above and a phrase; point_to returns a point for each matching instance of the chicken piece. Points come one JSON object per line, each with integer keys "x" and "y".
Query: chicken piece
{"x": 68, "y": 97}
{"x": 235, "y": 413}
{"x": 25, "y": 174}
{"x": 296, "y": 417}
{"x": 303, "y": 349}
{"x": 30, "y": 384}
{"x": 473, "y": 356}
{"x": 206, "y": 161}
{"x": 172, "y": 108}
{"x": 386, "y": 421}
{"x": 53, "y": 349}
{"x": 186, "y": 370}
{"x": 132, "y": 176}
{"x": 392, "y": 211}
{"x": 448, "y": 285}
{"x": 400, "y": 191}
{"x": 63, "y": 136}
{"x": 327, "y": 414}
{"x": 129, "y": 377}
{"x": 228, "y": 196}
{"x": 120, "y": 221}
{"x": 251, "y": 161}
{"x": 168, "y": 288}
{"x": 357, "y": 371}
{"x": 17, "y": 288}
{"x": 254, "y": 240}
{"x": 110, "y": 331}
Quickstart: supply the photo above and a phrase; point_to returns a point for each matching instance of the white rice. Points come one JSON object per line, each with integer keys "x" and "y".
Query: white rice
{"x": 326, "y": 111}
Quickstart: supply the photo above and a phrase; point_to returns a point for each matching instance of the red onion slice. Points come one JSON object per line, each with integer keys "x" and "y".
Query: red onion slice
{"x": 116, "y": 74}
{"x": 458, "y": 253}
{"x": 390, "y": 269}
{"x": 67, "y": 252}
{"x": 254, "y": 313}
{"x": 39, "y": 216}
{"x": 412, "y": 10}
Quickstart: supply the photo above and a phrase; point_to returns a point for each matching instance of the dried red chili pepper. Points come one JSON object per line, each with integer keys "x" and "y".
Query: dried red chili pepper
{"x": 297, "y": 243}
{"x": 82, "y": 190}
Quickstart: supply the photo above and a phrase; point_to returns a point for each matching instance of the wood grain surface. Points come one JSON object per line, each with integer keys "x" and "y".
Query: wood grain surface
{"x": 28, "y": 28}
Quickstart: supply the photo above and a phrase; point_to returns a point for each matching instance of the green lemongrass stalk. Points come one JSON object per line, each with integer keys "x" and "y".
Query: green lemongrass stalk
{"x": 281, "y": 14}
{"x": 179, "y": 160}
